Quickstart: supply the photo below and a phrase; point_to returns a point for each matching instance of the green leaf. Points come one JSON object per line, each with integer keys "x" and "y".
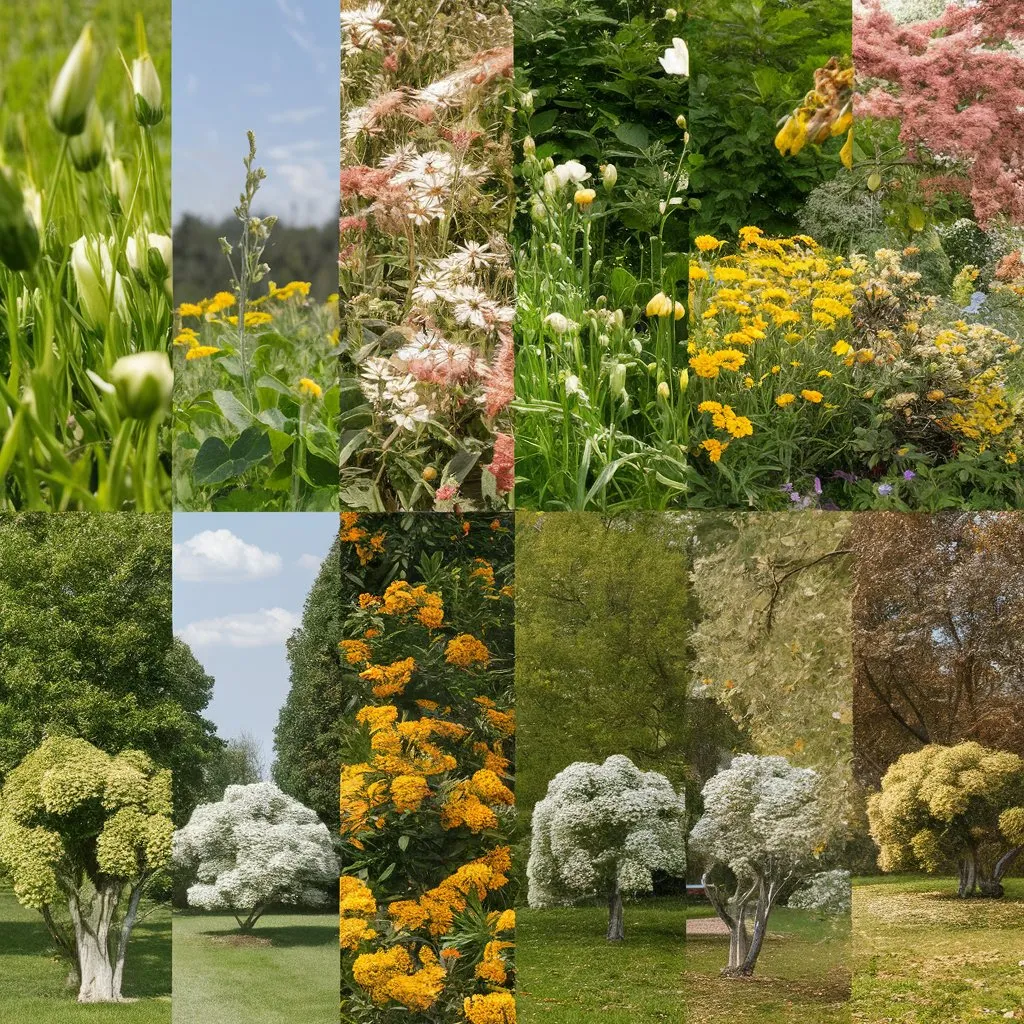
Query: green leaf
{"x": 215, "y": 462}
{"x": 234, "y": 412}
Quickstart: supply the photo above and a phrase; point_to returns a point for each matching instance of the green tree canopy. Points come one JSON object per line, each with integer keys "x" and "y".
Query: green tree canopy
{"x": 86, "y": 647}
{"x": 603, "y": 662}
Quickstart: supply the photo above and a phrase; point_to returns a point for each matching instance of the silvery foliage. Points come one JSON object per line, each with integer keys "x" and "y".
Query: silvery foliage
{"x": 763, "y": 818}
{"x": 827, "y": 891}
{"x": 905, "y": 12}
{"x": 254, "y": 847}
{"x": 602, "y": 824}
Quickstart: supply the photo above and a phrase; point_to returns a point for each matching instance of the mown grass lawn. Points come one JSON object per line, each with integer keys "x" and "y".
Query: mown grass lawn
{"x": 567, "y": 973}
{"x": 802, "y": 976}
{"x": 922, "y": 956}
{"x": 33, "y": 983}
{"x": 285, "y": 972}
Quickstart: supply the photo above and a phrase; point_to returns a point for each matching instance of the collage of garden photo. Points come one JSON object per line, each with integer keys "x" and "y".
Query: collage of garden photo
{"x": 511, "y": 513}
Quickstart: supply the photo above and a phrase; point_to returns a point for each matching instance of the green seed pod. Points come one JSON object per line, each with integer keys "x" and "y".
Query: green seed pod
{"x": 75, "y": 85}
{"x": 19, "y": 230}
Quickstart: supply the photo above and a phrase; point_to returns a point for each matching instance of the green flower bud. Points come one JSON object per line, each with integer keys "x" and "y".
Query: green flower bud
{"x": 149, "y": 98}
{"x": 664, "y": 391}
{"x": 86, "y": 148}
{"x": 609, "y": 175}
{"x": 144, "y": 382}
{"x": 684, "y": 381}
{"x": 75, "y": 85}
{"x": 120, "y": 185}
{"x": 529, "y": 146}
{"x": 19, "y": 224}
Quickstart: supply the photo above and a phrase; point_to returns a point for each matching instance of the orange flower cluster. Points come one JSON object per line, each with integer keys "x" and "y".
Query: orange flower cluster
{"x": 367, "y": 545}
{"x": 440, "y": 951}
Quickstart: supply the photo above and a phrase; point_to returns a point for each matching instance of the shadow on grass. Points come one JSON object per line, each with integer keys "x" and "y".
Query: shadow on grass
{"x": 24, "y": 938}
{"x": 279, "y": 936}
{"x": 148, "y": 964}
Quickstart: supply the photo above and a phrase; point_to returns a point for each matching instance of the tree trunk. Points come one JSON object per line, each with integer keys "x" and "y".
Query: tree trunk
{"x": 92, "y": 917}
{"x": 968, "y": 874}
{"x": 616, "y": 927}
{"x": 739, "y": 941}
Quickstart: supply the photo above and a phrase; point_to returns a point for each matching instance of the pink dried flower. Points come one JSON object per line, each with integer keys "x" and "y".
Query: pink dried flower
{"x": 504, "y": 465}
{"x": 501, "y": 388}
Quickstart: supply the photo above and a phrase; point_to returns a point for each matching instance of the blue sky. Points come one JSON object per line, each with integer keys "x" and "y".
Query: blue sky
{"x": 268, "y": 65}
{"x": 240, "y": 581}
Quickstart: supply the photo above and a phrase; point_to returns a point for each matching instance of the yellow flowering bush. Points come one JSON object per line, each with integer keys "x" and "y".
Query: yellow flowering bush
{"x": 823, "y": 380}
{"x": 426, "y": 783}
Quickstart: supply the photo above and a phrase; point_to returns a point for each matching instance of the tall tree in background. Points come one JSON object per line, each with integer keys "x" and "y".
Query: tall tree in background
{"x": 306, "y": 740}
{"x": 86, "y": 647}
{"x": 603, "y": 666}
{"x": 239, "y": 763}
{"x": 939, "y": 634}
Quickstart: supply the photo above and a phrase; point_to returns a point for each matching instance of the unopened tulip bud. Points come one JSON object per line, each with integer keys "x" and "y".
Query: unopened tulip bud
{"x": 664, "y": 391}
{"x": 684, "y": 380}
{"x": 100, "y": 286}
{"x": 120, "y": 185}
{"x": 681, "y": 122}
{"x": 679, "y": 311}
{"x": 19, "y": 226}
{"x": 659, "y": 305}
{"x": 529, "y": 146}
{"x": 144, "y": 382}
{"x": 617, "y": 378}
{"x": 86, "y": 148}
{"x": 609, "y": 175}
{"x": 75, "y": 85}
{"x": 149, "y": 98}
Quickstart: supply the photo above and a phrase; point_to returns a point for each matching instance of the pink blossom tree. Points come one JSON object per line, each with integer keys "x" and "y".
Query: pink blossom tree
{"x": 956, "y": 85}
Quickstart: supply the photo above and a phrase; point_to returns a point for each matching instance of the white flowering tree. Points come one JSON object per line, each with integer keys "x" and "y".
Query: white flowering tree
{"x": 601, "y": 831}
{"x": 82, "y": 836}
{"x": 254, "y": 848}
{"x": 764, "y": 827}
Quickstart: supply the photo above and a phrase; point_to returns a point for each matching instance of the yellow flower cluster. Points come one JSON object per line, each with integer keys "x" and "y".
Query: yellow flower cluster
{"x": 356, "y": 907}
{"x": 392, "y": 974}
{"x": 773, "y": 308}
{"x": 207, "y": 308}
{"x": 467, "y": 652}
{"x": 435, "y": 910}
{"x": 492, "y": 1008}
{"x": 411, "y": 782}
{"x": 367, "y": 546}
{"x": 470, "y": 803}
{"x": 289, "y": 291}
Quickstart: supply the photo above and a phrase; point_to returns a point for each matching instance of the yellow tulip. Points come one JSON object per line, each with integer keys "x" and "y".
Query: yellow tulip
{"x": 660, "y": 305}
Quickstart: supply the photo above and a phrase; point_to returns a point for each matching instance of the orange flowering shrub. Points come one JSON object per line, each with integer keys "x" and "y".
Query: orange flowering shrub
{"x": 426, "y": 786}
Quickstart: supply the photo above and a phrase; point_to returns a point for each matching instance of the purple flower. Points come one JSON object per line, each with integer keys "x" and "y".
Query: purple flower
{"x": 908, "y": 474}
{"x": 841, "y": 474}
{"x": 817, "y": 485}
{"x": 885, "y": 490}
{"x": 794, "y": 496}
{"x": 786, "y": 488}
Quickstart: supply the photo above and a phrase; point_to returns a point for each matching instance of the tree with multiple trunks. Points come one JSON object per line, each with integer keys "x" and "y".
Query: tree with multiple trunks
{"x": 943, "y": 805}
{"x": 938, "y": 635}
{"x": 255, "y": 848}
{"x": 603, "y": 830}
{"x": 764, "y": 829}
{"x": 82, "y": 836}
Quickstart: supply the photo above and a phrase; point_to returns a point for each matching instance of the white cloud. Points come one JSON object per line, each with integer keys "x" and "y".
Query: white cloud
{"x": 307, "y": 179}
{"x": 297, "y": 115}
{"x": 218, "y": 556}
{"x": 311, "y": 562}
{"x": 265, "y": 628}
{"x": 292, "y": 11}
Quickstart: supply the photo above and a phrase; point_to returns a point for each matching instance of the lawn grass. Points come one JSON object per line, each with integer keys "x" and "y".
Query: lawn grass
{"x": 802, "y": 975}
{"x": 33, "y": 983}
{"x": 567, "y": 973}
{"x": 286, "y": 972}
{"x": 922, "y": 956}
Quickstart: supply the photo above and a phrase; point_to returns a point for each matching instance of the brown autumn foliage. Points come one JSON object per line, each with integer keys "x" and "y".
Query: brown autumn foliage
{"x": 938, "y": 634}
